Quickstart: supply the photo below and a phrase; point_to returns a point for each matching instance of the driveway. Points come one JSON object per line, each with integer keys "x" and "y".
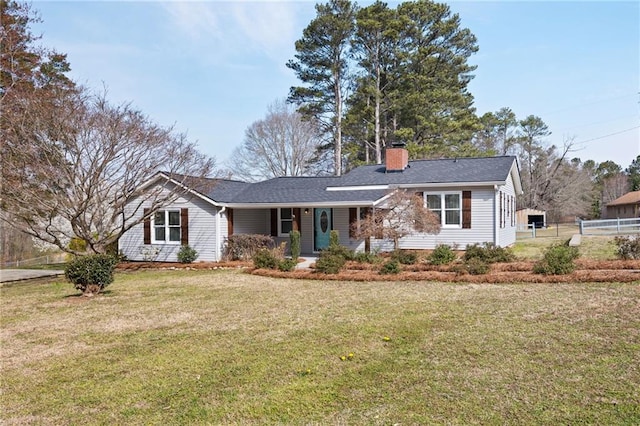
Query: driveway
{"x": 8, "y": 275}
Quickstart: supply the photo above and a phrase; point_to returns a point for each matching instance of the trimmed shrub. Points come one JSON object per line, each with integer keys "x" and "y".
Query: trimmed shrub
{"x": 245, "y": 246}
{"x": 363, "y": 257}
{"x": 558, "y": 260}
{"x": 187, "y": 254}
{"x": 628, "y": 247}
{"x": 294, "y": 237}
{"x": 390, "y": 267}
{"x": 265, "y": 259}
{"x": 442, "y": 255}
{"x": 334, "y": 238}
{"x": 341, "y": 251}
{"x": 476, "y": 266}
{"x": 287, "y": 265}
{"x": 91, "y": 273}
{"x": 404, "y": 257}
{"x": 489, "y": 253}
{"x": 329, "y": 263}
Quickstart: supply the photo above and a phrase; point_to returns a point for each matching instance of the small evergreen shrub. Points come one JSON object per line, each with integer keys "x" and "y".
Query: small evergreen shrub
{"x": 489, "y": 253}
{"x": 558, "y": 260}
{"x": 628, "y": 247}
{"x": 404, "y": 257}
{"x": 341, "y": 251}
{"x": 265, "y": 259}
{"x": 245, "y": 246}
{"x": 287, "y": 265}
{"x": 390, "y": 267}
{"x": 442, "y": 255}
{"x": 187, "y": 254}
{"x": 476, "y": 266}
{"x": 329, "y": 263}
{"x": 363, "y": 257}
{"x": 334, "y": 238}
{"x": 294, "y": 237}
{"x": 91, "y": 273}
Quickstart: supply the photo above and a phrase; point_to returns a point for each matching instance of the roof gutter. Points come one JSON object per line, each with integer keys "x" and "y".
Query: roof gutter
{"x": 415, "y": 185}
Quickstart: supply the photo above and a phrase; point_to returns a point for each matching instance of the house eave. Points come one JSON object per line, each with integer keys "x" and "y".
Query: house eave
{"x": 309, "y": 204}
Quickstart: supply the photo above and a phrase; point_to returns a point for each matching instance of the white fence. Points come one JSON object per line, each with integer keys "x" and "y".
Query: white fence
{"x": 610, "y": 226}
{"x": 42, "y": 260}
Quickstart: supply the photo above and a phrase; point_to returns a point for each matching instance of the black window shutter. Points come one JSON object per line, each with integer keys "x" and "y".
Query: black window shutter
{"x": 466, "y": 209}
{"x": 184, "y": 227}
{"x": 147, "y": 227}
{"x": 353, "y": 217}
{"x": 274, "y": 222}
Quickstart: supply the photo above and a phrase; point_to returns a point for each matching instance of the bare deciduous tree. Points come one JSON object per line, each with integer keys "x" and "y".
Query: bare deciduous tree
{"x": 281, "y": 144}
{"x": 78, "y": 170}
{"x": 402, "y": 214}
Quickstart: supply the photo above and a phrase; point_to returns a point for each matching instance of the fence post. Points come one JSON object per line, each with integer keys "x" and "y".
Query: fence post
{"x": 618, "y": 224}
{"x": 581, "y": 227}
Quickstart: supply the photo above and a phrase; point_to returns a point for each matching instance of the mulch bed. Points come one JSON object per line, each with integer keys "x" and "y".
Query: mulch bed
{"x": 587, "y": 271}
{"x": 520, "y": 272}
{"x": 138, "y": 266}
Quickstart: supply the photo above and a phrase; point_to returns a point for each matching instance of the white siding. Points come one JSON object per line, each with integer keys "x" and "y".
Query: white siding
{"x": 202, "y": 234}
{"x": 481, "y": 230}
{"x": 507, "y": 235}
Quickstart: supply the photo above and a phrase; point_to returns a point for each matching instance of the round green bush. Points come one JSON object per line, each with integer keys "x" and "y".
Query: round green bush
{"x": 442, "y": 255}
{"x": 558, "y": 260}
{"x": 187, "y": 254}
{"x": 265, "y": 259}
{"x": 404, "y": 257}
{"x": 390, "y": 267}
{"x": 91, "y": 273}
{"x": 287, "y": 265}
{"x": 329, "y": 263}
{"x": 476, "y": 266}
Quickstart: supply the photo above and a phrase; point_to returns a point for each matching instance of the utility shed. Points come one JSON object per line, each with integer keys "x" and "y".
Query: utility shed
{"x": 526, "y": 217}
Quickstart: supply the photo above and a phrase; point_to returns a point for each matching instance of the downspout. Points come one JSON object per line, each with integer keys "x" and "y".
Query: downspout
{"x": 222, "y": 210}
{"x": 496, "y": 220}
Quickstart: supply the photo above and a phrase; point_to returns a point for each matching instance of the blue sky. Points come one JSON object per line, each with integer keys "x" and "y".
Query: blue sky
{"x": 211, "y": 68}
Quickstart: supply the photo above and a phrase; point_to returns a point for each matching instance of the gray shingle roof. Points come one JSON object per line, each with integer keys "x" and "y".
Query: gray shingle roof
{"x": 313, "y": 190}
{"x": 468, "y": 170}
{"x": 225, "y": 190}
{"x": 300, "y": 190}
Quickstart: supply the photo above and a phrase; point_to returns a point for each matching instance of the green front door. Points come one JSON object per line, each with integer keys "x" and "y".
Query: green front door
{"x": 321, "y": 228}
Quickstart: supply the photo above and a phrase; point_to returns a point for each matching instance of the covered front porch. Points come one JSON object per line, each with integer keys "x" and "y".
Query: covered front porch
{"x": 314, "y": 223}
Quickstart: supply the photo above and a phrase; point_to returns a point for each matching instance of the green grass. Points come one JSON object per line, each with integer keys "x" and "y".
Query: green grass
{"x": 216, "y": 347}
{"x": 599, "y": 247}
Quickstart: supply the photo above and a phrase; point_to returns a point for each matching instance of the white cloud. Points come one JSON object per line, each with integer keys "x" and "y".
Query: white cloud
{"x": 240, "y": 27}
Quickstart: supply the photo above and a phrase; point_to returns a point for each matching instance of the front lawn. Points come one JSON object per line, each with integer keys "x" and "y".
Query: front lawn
{"x": 223, "y": 347}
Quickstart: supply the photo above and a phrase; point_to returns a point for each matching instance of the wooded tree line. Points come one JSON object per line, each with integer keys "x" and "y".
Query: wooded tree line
{"x": 73, "y": 164}
{"x": 376, "y": 75}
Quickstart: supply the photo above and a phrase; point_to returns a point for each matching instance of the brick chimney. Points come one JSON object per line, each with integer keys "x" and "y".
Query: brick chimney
{"x": 396, "y": 158}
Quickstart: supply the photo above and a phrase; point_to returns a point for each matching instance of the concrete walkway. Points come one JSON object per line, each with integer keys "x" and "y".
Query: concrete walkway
{"x": 10, "y": 275}
{"x": 307, "y": 262}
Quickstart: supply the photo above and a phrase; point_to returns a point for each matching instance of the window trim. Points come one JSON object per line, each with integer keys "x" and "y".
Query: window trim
{"x": 443, "y": 208}
{"x": 280, "y": 220}
{"x": 167, "y": 227}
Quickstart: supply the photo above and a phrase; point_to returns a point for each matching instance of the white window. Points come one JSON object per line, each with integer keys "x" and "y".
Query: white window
{"x": 285, "y": 221}
{"x": 447, "y": 206}
{"x": 166, "y": 227}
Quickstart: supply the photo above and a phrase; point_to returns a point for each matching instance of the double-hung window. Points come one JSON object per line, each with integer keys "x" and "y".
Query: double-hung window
{"x": 166, "y": 227}
{"x": 447, "y": 206}
{"x": 286, "y": 221}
